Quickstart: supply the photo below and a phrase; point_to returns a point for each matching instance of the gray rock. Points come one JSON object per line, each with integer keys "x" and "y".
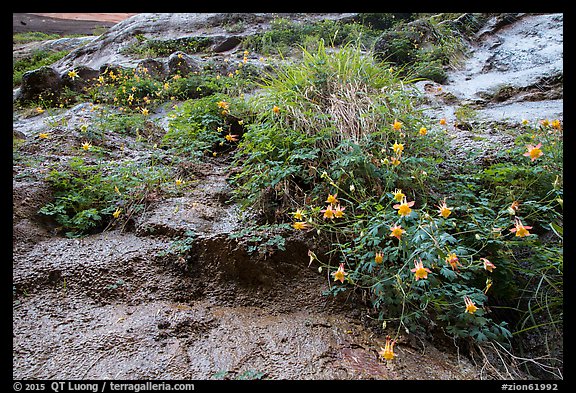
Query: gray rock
{"x": 181, "y": 64}
{"x": 153, "y": 67}
{"x": 110, "y": 47}
{"x": 86, "y": 78}
{"x": 43, "y": 83}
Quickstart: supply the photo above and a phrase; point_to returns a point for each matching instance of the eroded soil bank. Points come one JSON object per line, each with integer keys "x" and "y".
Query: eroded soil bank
{"x": 116, "y": 305}
{"x": 121, "y": 305}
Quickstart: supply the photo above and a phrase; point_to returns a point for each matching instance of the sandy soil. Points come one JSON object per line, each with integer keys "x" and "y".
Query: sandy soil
{"x": 100, "y": 17}
{"x": 65, "y": 23}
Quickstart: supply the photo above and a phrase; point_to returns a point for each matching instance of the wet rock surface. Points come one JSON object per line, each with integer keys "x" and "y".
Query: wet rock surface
{"x": 120, "y": 305}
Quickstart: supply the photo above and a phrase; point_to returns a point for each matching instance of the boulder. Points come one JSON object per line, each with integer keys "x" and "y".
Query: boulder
{"x": 85, "y": 78}
{"x": 43, "y": 83}
{"x": 154, "y": 68}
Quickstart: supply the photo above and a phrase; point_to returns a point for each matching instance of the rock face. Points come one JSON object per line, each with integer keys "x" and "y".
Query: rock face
{"x": 219, "y": 32}
{"x": 514, "y": 70}
{"x": 124, "y": 305}
{"x": 44, "y": 81}
{"x": 221, "y": 29}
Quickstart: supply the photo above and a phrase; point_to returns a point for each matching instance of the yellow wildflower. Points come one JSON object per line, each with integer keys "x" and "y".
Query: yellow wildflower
{"x": 276, "y": 109}
{"x": 339, "y": 211}
{"x": 452, "y": 260}
{"x": 300, "y": 225}
{"x": 398, "y": 195}
{"x": 231, "y": 138}
{"x": 470, "y": 306}
{"x": 419, "y": 270}
{"x": 423, "y": 131}
{"x": 533, "y": 152}
{"x": 398, "y": 148}
{"x": 396, "y": 231}
{"x": 332, "y": 199}
{"x": 43, "y": 135}
{"x": 520, "y": 229}
{"x": 397, "y": 125}
{"x": 378, "y": 258}
{"x": 298, "y": 214}
{"x": 86, "y": 146}
{"x": 488, "y": 265}
{"x": 117, "y": 212}
{"x": 145, "y": 111}
{"x": 340, "y": 273}
{"x": 73, "y": 74}
{"x": 444, "y": 210}
{"x": 39, "y": 110}
{"x": 328, "y": 212}
{"x": 404, "y": 207}
{"x": 387, "y": 352}
{"x": 443, "y": 122}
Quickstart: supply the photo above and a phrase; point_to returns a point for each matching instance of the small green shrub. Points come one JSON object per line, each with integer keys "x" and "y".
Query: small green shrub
{"x": 89, "y": 197}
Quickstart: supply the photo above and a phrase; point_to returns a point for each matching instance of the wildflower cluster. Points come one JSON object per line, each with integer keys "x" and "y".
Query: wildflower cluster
{"x": 428, "y": 248}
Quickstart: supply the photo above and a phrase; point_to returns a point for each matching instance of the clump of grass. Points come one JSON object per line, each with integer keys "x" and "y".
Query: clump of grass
{"x": 33, "y": 36}
{"x": 37, "y": 59}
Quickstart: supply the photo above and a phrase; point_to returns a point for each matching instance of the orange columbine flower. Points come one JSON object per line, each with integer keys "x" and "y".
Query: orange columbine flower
{"x": 300, "y": 225}
{"x": 328, "y": 212}
{"x": 223, "y": 105}
{"x": 332, "y": 199}
{"x": 514, "y": 207}
{"x": 276, "y": 109}
{"x": 556, "y": 124}
{"x": 445, "y": 211}
{"x": 452, "y": 260}
{"x": 423, "y": 131}
{"x": 378, "y": 258}
{"x": 340, "y": 273}
{"x": 533, "y": 151}
{"x": 404, "y": 207}
{"x": 488, "y": 265}
{"x": 339, "y": 211}
{"x": 388, "y": 351}
{"x": 520, "y": 229}
{"x": 231, "y": 138}
{"x": 443, "y": 121}
{"x": 397, "y": 231}
{"x": 419, "y": 270}
{"x": 398, "y": 195}
{"x": 470, "y": 306}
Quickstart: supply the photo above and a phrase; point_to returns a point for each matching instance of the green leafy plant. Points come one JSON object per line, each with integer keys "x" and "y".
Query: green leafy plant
{"x": 338, "y": 149}
{"x": 89, "y": 197}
